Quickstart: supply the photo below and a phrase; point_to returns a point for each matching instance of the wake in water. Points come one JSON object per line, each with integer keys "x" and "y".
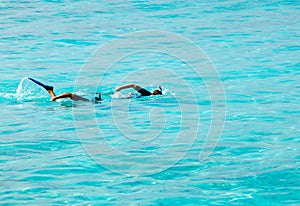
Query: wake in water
{"x": 26, "y": 91}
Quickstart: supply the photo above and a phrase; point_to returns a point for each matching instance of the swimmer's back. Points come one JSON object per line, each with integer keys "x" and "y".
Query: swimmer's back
{"x": 144, "y": 92}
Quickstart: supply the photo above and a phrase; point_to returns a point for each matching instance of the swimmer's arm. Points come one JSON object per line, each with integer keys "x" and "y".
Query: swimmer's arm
{"x": 134, "y": 86}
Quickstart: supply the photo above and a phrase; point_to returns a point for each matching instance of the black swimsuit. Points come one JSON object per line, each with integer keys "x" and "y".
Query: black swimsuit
{"x": 144, "y": 92}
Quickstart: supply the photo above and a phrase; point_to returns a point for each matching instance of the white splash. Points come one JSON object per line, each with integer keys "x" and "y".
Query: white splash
{"x": 119, "y": 95}
{"x": 19, "y": 94}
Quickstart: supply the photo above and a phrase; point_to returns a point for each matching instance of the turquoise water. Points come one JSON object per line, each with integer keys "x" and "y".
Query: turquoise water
{"x": 53, "y": 153}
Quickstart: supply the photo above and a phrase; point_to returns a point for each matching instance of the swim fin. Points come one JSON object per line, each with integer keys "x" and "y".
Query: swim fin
{"x": 47, "y": 87}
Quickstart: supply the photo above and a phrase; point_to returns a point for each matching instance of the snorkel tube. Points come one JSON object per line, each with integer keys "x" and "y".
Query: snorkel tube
{"x": 160, "y": 89}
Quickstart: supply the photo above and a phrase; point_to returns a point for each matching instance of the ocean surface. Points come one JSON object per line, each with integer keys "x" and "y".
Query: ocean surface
{"x": 224, "y": 132}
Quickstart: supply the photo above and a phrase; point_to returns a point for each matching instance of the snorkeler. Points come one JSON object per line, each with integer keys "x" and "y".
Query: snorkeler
{"x": 141, "y": 90}
{"x": 70, "y": 95}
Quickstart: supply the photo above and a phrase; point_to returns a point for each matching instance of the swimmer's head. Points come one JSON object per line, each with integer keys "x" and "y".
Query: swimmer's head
{"x": 156, "y": 92}
{"x": 99, "y": 97}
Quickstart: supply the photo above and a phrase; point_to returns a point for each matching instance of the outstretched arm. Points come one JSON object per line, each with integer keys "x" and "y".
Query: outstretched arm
{"x": 134, "y": 86}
